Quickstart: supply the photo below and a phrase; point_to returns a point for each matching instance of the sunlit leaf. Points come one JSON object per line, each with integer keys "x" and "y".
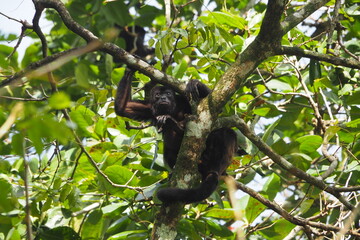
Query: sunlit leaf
{"x": 59, "y": 100}
{"x": 220, "y": 213}
{"x": 310, "y": 143}
{"x": 82, "y": 75}
{"x": 272, "y": 186}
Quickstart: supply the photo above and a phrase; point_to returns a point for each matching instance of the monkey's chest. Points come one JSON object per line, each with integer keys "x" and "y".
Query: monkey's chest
{"x": 172, "y": 138}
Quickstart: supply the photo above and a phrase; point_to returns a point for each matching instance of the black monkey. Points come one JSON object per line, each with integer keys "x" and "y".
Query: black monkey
{"x": 167, "y": 110}
{"x": 134, "y": 41}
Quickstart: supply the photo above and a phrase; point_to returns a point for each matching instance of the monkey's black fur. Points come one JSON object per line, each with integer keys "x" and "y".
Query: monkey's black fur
{"x": 167, "y": 110}
{"x": 134, "y": 41}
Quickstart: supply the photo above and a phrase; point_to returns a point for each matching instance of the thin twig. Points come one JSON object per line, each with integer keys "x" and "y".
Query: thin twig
{"x": 308, "y": 95}
{"x": 27, "y": 196}
{"x": 293, "y": 219}
{"x": 25, "y": 99}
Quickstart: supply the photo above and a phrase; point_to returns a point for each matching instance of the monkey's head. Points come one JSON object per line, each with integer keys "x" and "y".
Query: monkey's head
{"x": 162, "y": 101}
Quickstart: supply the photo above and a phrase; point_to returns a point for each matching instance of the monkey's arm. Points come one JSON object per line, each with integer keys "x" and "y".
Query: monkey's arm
{"x": 196, "y": 90}
{"x": 138, "y": 110}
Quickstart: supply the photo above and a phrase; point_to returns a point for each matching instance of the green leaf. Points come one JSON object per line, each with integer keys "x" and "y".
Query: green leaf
{"x": 253, "y": 209}
{"x": 119, "y": 225}
{"x": 224, "y": 18}
{"x": 100, "y": 127}
{"x": 272, "y": 186}
{"x": 270, "y": 129}
{"x": 6, "y": 203}
{"x": 279, "y": 85}
{"x": 279, "y": 230}
{"x": 47, "y": 205}
{"x": 202, "y": 62}
{"x": 34, "y": 165}
{"x": 310, "y": 143}
{"x": 93, "y": 226}
{"x": 83, "y": 118}
{"x": 220, "y": 213}
{"x": 158, "y": 51}
{"x": 116, "y": 12}
{"x": 59, "y": 233}
{"x": 17, "y": 144}
{"x": 147, "y": 14}
{"x": 346, "y": 90}
{"x": 218, "y": 229}
{"x": 262, "y": 111}
{"x": 35, "y": 135}
{"x": 306, "y": 205}
{"x": 186, "y": 227}
{"x": 114, "y": 209}
{"x": 65, "y": 191}
{"x": 5, "y": 63}
{"x": 330, "y": 132}
{"x": 128, "y": 234}
{"x": 82, "y": 75}
{"x": 182, "y": 44}
{"x": 121, "y": 175}
{"x": 14, "y": 234}
{"x": 59, "y": 100}
{"x": 314, "y": 71}
{"x": 180, "y": 69}
{"x": 353, "y": 124}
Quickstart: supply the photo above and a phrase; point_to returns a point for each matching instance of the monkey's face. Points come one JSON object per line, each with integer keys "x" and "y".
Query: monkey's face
{"x": 162, "y": 101}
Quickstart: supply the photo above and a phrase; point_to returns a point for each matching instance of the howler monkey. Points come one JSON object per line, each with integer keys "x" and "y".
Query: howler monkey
{"x": 134, "y": 37}
{"x": 166, "y": 110}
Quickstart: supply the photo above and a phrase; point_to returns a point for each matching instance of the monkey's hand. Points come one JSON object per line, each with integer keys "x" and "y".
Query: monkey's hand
{"x": 162, "y": 119}
{"x": 196, "y": 90}
{"x": 192, "y": 91}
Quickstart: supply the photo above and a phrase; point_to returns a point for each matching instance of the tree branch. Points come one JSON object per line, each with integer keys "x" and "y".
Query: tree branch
{"x": 346, "y": 62}
{"x": 260, "y": 49}
{"x": 293, "y": 20}
{"x": 293, "y": 219}
{"x": 94, "y": 164}
{"x": 28, "y": 71}
{"x": 67, "y": 19}
{"x": 111, "y": 48}
{"x": 282, "y": 162}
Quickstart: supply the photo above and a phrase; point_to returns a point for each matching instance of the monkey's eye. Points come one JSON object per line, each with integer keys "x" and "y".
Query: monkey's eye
{"x": 168, "y": 93}
{"x": 157, "y": 95}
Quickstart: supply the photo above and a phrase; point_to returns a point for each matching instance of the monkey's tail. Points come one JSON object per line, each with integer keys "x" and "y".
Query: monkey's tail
{"x": 206, "y": 188}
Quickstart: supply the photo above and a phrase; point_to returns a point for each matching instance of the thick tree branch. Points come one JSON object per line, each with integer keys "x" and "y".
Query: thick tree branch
{"x": 260, "y": 49}
{"x": 293, "y": 20}
{"x": 270, "y": 31}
